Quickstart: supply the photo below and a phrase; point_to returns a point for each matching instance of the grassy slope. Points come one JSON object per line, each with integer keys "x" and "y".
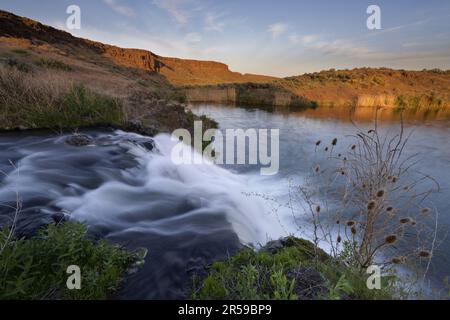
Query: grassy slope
{"x": 373, "y": 87}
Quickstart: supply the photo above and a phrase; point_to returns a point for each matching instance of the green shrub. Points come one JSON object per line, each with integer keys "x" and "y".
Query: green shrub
{"x": 36, "y": 268}
{"x": 268, "y": 276}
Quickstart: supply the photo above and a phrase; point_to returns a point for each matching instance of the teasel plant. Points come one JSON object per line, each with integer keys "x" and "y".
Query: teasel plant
{"x": 372, "y": 201}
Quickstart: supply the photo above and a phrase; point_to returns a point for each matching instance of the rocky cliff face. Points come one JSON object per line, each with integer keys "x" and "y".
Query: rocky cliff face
{"x": 177, "y": 71}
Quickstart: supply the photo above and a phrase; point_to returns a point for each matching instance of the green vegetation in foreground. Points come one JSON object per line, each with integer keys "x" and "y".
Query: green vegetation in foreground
{"x": 278, "y": 275}
{"x": 36, "y": 268}
{"x": 30, "y": 101}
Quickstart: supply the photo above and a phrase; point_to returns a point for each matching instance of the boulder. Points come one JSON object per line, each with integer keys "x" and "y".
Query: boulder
{"x": 79, "y": 140}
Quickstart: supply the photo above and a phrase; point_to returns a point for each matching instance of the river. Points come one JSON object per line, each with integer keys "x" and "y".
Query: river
{"x": 190, "y": 215}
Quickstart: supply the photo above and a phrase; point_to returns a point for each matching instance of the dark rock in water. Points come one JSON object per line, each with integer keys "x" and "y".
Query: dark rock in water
{"x": 79, "y": 140}
{"x": 309, "y": 283}
{"x": 149, "y": 145}
{"x": 59, "y": 217}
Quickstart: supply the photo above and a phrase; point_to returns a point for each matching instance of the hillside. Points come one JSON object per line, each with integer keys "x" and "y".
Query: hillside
{"x": 123, "y": 72}
{"x": 373, "y": 87}
{"x": 177, "y": 71}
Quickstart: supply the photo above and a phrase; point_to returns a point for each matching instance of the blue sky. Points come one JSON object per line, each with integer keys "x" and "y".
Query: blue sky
{"x": 282, "y": 38}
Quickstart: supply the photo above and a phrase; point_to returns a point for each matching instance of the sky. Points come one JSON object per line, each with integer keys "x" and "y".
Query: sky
{"x": 280, "y": 38}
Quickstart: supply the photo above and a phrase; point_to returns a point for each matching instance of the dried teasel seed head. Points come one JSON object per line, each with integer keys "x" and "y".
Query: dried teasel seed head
{"x": 424, "y": 210}
{"x": 390, "y": 239}
{"x": 354, "y": 147}
{"x": 350, "y": 223}
{"x": 334, "y": 142}
{"x": 406, "y": 188}
{"x": 317, "y": 168}
{"x": 318, "y": 209}
{"x": 398, "y": 260}
{"x": 353, "y": 230}
{"x": 424, "y": 254}
{"x": 339, "y": 239}
{"x": 371, "y": 205}
{"x": 338, "y": 221}
{"x": 413, "y": 223}
{"x": 405, "y": 220}
{"x": 326, "y": 149}
{"x": 318, "y": 142}
{"x": 394, "y": 179}
{"x": 380, "y": 193}
{"x": 389, "y": 209}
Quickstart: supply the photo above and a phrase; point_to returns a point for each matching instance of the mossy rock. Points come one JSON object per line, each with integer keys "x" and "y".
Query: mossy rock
{"x": 284, "y": 269}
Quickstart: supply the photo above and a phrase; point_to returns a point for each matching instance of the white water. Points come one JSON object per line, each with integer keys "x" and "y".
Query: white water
{"x": 140, "y": 206}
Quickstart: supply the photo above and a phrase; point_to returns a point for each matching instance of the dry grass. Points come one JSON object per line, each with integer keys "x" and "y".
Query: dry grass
{"x": 47, "y": 100}
{"x": 373, "y": 87}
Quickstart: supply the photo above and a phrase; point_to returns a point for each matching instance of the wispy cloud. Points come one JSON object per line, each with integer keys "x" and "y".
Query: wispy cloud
{"x": 340, "y": 47}
{"x": 212, "y": 22}
{"x": 120, "y": 8}
{"x": 193, "y": 38}
{"x": 306, "y": 39}
{"x": 174, "y": 8}
{"x": 277, "y": 29}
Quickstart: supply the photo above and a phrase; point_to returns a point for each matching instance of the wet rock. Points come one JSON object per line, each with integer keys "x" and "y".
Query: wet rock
{"x": 273, "y": 246}
{"x": 59, "y": 217}
{"x": 307, "y": 247}
{"x": 140, "y": 254}
{"x": 309, "y": 283}
{"x": 79, "y": 140}
{"x": 139, "y": 127}
{"x": 149, "y": 145}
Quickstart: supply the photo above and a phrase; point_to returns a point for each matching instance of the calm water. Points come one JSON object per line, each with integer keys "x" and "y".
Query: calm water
{"x": 299, "y": 131}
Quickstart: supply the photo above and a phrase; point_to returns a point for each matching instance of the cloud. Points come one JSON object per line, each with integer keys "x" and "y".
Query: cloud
{"x": 193, "y": 38}
{"x": 340, "y": 47}
{"x": 277, "y": 29}
{"x": 174, "y": 8}
{"x": 307, "y": 39}
{"x": 212, "y": 23}
{"x": 119, "y": 8}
